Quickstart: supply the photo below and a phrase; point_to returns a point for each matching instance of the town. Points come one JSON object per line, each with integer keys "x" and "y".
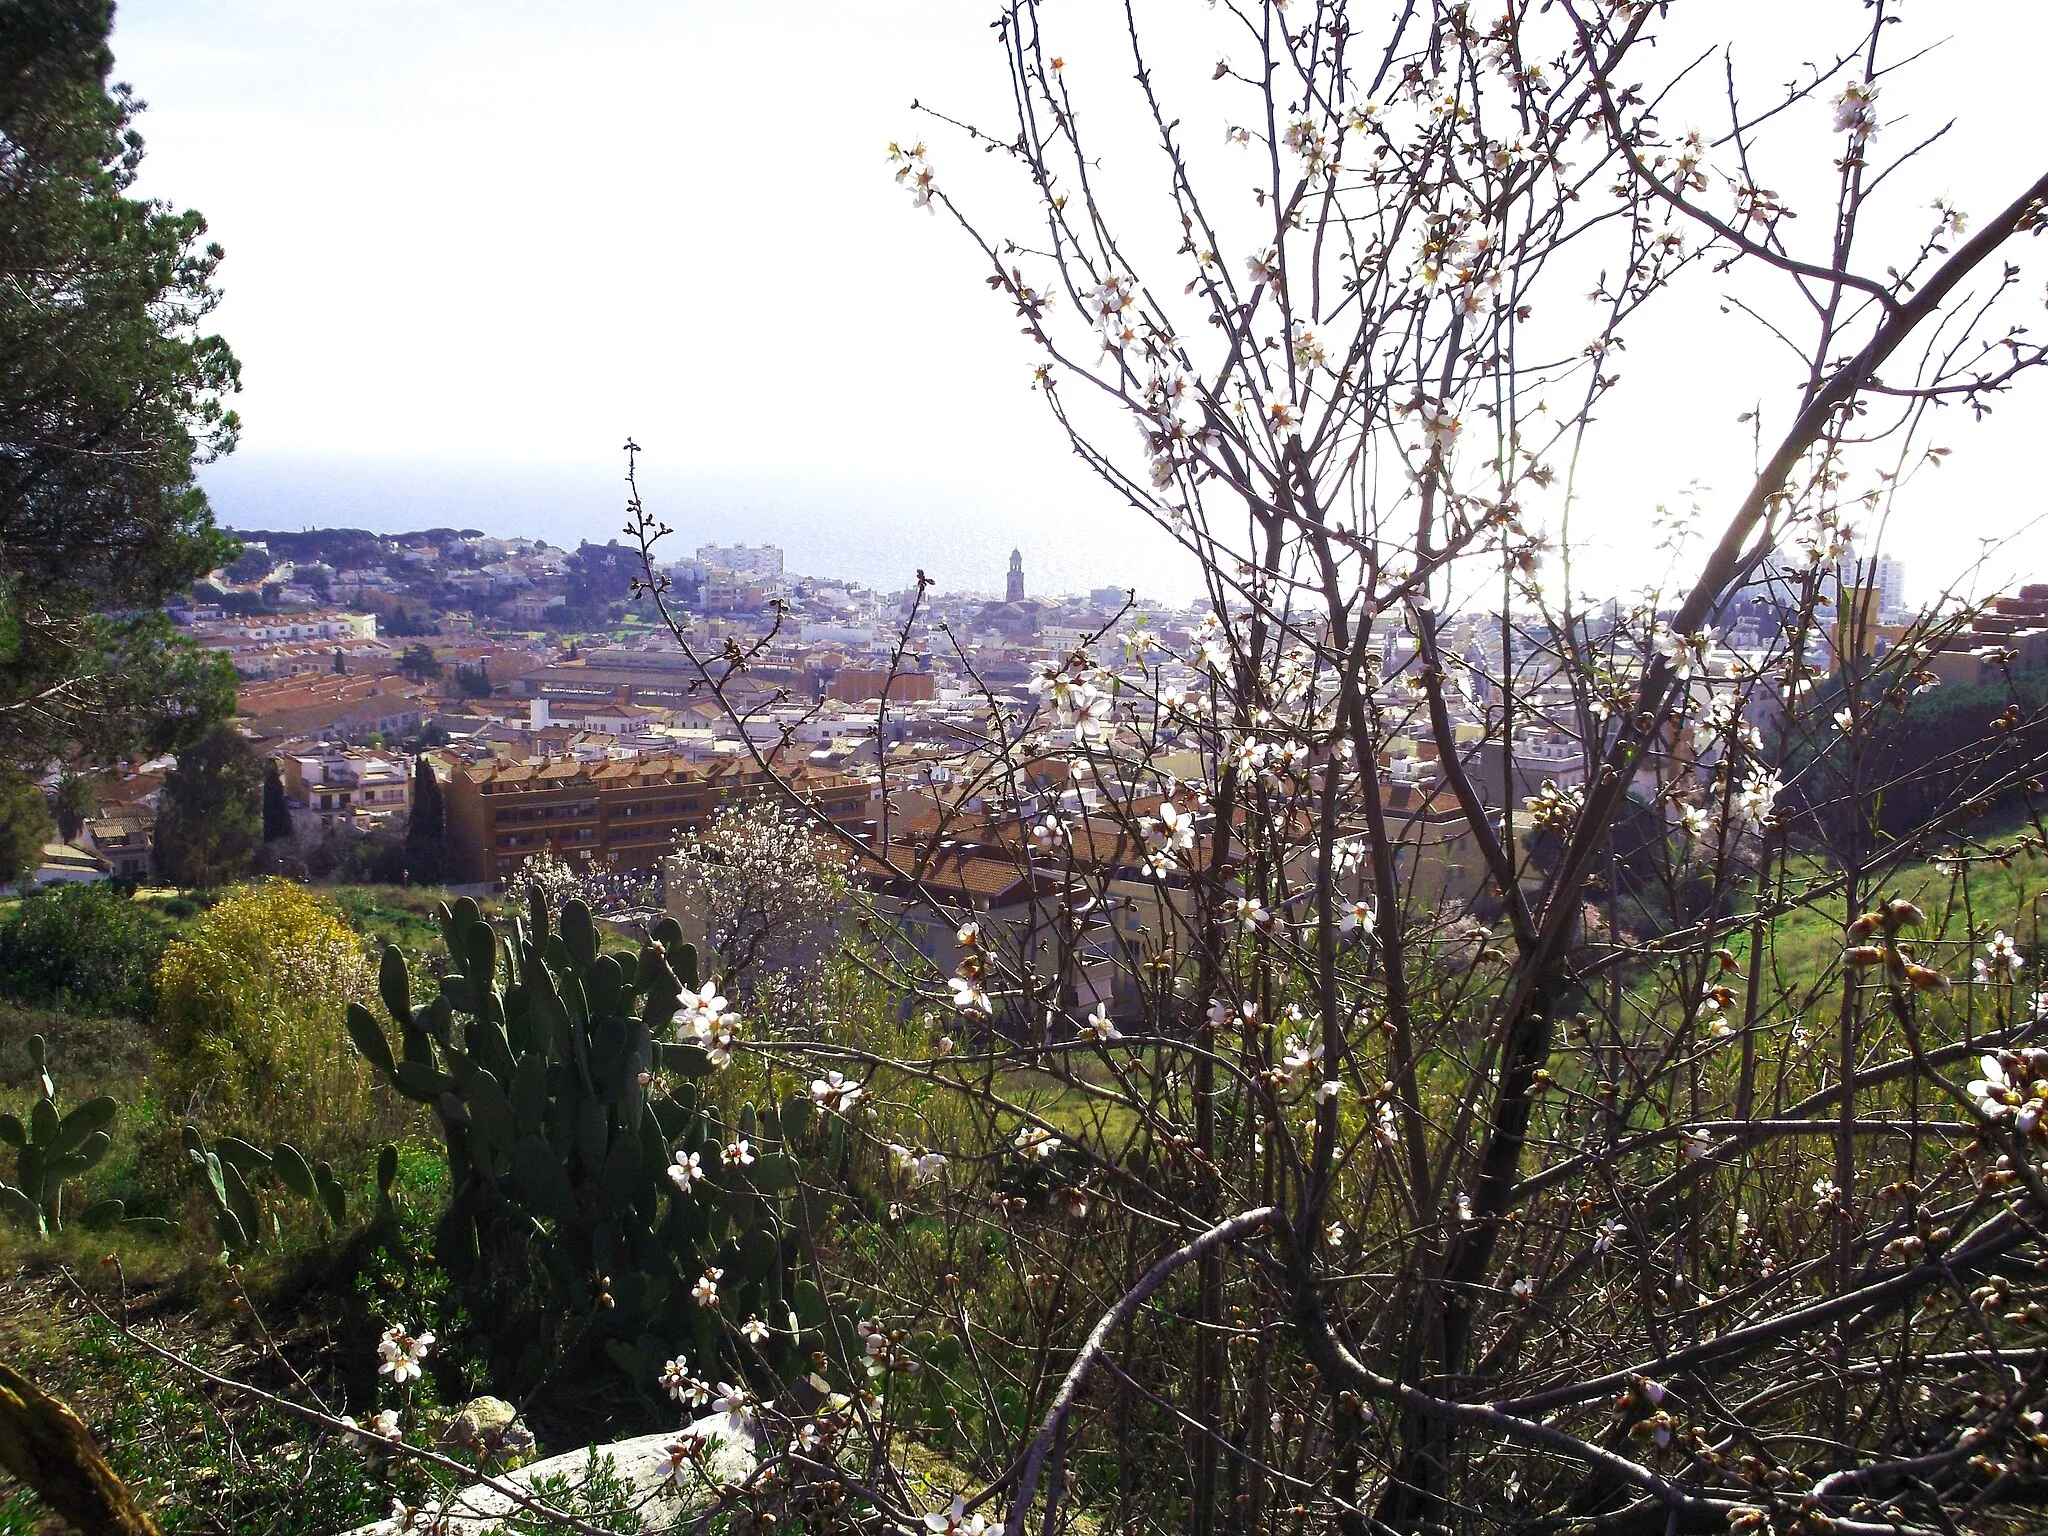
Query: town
{"x": 561, "y": 716}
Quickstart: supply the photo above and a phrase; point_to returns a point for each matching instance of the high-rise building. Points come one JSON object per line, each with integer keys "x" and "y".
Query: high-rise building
{"x": 1014, "y": 592}
{"x": 745, "y": 559}
{"x": 1883, "y": 574}
{"x": 1890, "y": 580}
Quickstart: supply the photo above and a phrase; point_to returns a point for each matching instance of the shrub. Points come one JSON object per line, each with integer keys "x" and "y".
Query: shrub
{"x": 86, "y": 946}
{"x": 250, "y": 1002}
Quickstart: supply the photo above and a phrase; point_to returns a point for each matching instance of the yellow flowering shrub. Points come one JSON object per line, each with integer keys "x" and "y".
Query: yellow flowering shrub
{"x": 251, "y": 1004}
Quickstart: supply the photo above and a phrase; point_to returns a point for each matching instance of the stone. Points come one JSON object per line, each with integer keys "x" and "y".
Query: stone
{"x": 638, "y": 1465}
{"x": 490, "y": 1427}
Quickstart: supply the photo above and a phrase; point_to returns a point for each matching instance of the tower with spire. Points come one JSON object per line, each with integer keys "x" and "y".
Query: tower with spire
{"x": 1014, "y": 593}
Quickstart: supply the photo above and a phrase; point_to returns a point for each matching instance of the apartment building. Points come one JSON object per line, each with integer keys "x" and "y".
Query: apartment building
{"x": 2010, "y": 634}
{"x": 621, "y": 813}
{"x": 743, "y": 559}
{"x": 861, "y": 685}
{"x": 333, "y": 789}
{"x": 332, "y": 707}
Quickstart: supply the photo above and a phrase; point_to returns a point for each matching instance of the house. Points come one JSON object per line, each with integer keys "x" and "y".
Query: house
{"x": 352, "y": 789}
{"x": 65, "y": 865}
{"x": 123, "y": 843}
{"x": 333, "y": 706}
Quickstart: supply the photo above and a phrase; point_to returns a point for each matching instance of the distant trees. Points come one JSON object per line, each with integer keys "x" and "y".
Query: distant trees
{"x": 113, "y": 396}
{"x": 418, "y": 663}
{"x": 209, "y": 819}
{"x": 401, "y": 623}
{"x": 473, "y": 682}
{"x": 767, "y": 886}
{"x": 426, "y": 832}
{"x": 86, "y": 946}
{"x": 252, "y": 564}
{"x": 1922, "y": 750}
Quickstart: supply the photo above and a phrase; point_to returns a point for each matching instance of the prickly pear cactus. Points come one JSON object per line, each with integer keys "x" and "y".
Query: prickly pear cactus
{"x": 52, "y": 1148}
{"x": 599, "y": 1211}
{"x": 240, "y": 1183}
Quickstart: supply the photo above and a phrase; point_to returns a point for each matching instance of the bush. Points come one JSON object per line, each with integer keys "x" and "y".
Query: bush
{"x": 250, "y": 1002}
{"x": 83, "y": 946}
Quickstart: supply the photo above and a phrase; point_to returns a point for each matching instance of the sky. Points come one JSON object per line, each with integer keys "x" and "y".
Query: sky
{"x": 471, "y": 248}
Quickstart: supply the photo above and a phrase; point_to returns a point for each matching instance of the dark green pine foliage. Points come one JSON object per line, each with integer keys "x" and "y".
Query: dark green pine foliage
{"x": 572, "y": 1249}
{"x": 209, "y": 817}
{"x": 114, "y": 393}
{"x": 25, "y": 825}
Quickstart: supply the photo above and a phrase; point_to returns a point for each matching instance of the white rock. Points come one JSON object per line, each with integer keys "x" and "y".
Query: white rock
{"x": 637, "y": 1464}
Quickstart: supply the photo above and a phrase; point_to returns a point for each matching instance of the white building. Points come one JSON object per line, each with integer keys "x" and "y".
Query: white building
{"x": 344, "y": 788}
{"x": 1890, "y": 581}
{"x": 743, "y": 559}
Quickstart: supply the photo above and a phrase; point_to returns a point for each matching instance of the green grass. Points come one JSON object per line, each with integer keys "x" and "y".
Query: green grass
{"x": 202, "y": 1466}
{"x": 1965, "y": 903}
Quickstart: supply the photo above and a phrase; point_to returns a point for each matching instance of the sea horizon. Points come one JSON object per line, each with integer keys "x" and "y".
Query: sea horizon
{"x": 874, "y": 532}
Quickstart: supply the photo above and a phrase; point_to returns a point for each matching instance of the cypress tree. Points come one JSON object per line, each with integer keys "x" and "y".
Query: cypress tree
{"x": 277, "y": 811}
{"x": 426, "y": 842}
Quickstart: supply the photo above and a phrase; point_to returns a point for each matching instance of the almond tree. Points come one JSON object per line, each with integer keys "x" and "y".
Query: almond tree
{"x": 1476, "y": 1149}
{"x": 1413, "y": 1084}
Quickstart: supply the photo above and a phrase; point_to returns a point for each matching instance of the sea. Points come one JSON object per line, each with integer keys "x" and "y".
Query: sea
{"x": 1072, "y": 536}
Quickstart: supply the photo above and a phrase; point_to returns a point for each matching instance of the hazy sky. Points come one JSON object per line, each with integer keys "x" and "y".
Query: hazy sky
{"x": 471, "y": 247}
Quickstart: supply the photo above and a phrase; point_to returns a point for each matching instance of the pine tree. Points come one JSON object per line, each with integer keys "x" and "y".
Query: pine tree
{"x": 209, "y": 818}
{"x": 426, "y": 834}
{"x": 114, "y": 395}
{"x": 24, "y": 825}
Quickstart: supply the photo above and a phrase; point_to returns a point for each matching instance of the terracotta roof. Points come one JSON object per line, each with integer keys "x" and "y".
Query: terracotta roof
{"x": 970, "y": 872}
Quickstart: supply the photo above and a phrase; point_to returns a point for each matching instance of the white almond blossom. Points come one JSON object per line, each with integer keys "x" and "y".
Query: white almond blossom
{"x": 920, "y": 1163}
{"x": 675, "y": 1378}
{"x": 400, "y": 1354}
{"x": 2002, "y": 960}
{"x": 1440, "y": 426}
{"x": 1856, "y": 110}
{"x": 955, "y": 1521}
{"x": 1100, "y": 1026}
{"x": 1036, "y": 1143}
{"x": 834, "y": 1092}
{"x": 686, "y": 1170}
